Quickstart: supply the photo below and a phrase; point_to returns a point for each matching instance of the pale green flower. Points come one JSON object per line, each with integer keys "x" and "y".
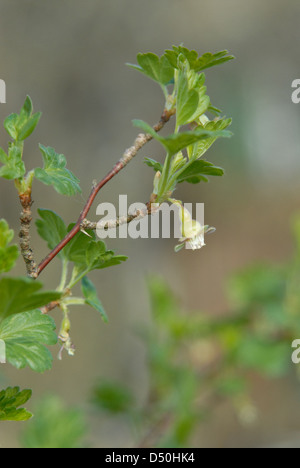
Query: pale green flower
{"x": 192, "y": 231}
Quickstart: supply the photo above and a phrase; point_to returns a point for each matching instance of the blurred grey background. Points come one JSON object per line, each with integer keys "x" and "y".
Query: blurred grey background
{"x": 70, "y": 58}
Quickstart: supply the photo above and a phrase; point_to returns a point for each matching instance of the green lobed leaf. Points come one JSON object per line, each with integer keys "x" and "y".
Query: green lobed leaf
{"x": 96, "y": 253}
{"x": 14, "y": 167}
{"x": 197, "y": 172}
{"x": 96, "y": 259}
{"x": 51, "y": 228}
{"x": 8, "y": 254}
{"x": 209, "y": 60}
{"x": 10, "y": 400}
{"x": 88, "y": 254}
{"x": 197, "y": 63}
{"x": 158, "y": 69}
{"x": 25, "y": 335}
{"x": 75, "y": 251}
{"x": 91, "y": 297}
{"x": 22, "y": 294}
{"x": 55, "y": 173}
{"x": 178, "y": 141}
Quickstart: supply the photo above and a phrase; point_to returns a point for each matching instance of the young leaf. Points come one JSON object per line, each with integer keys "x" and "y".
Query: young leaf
{"x": 51, "y": 228}
{"x": 22, "y": 294}
{"x": 55, "y": 173}
{"x": 20, "y": 126}
{"x": 198, "y": 171}
{"x": 187, "y": 100}
{"x": 8, "y": 254}
{"x": 10, "y": 400}
{"x": 28, "y": 128}
{"x": 14, "y": 167}
{"x": 178, "y": 141}
{"x": 203, "y": 104}
{"x": 27, "y": 108}
{"x": 158, "y": 69}
{"x": 209, "y": 60}
{"x": 25, "y": 335}
{"x": 157, "y": 166}
{"x": 11, "y": 125}
{"x": 197, "y": 63}
{"x": 192, "y": 100}
{"x": 91, "y": 297}
{"x": 199, "y": 149}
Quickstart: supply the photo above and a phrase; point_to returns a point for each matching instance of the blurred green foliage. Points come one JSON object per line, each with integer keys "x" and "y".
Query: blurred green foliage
{"x": 54, "y": 426}
{"x": 196, "y": 361}
{"x": 113, "y": 398}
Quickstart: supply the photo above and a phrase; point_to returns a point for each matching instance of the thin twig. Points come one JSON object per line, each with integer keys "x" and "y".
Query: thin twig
{"x": 51, "y": 306}
{"x": 24, "y": 235}
{"x": 115, "y": 223}
{"x": 129, "y": 154}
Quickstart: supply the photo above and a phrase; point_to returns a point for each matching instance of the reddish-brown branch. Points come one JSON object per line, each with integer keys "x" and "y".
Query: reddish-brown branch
{"x": 129, "y": 154}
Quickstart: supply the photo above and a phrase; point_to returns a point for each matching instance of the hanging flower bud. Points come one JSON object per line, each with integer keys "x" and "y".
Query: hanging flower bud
{"x": 65, "y": 338}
